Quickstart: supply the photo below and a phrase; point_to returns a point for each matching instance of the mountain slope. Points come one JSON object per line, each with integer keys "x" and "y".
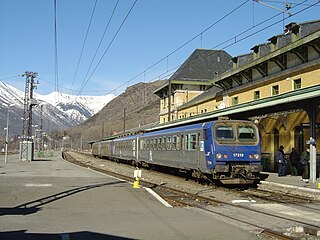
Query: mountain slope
{"x": 135, "y": 107}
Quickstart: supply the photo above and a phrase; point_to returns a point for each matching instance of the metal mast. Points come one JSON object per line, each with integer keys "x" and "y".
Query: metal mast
{"x": 26, "y": 143}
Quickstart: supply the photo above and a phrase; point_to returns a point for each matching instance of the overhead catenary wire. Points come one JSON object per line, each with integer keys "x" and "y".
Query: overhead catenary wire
{"x": 171, "y": 71}
{"x": 84, "y": 43}
{"x": 182, "y": 46}
{"x": 56, "y": 63}
{"x": 107, "y": 49}
{"x": 97, "y": 49}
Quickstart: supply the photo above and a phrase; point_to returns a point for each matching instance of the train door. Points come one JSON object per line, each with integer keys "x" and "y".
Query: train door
{"x": 208, "y": 145}
{"x": 137, "y": 148}
{"x": 133, "y": 148}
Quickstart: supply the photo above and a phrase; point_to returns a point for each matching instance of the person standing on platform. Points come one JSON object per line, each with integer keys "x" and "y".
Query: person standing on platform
{"x": 304, "y": 161}
{"x": 294, "y": 159}
{"x": 281, "y": 162}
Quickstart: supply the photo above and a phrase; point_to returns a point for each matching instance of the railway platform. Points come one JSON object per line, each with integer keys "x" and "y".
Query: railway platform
{"x": 50, "y": 198}
{"x": 288, "y": 183}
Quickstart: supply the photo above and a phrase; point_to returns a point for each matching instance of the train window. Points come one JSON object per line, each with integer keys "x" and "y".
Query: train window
{"x": 178, "y": 143}
{"x": 193, "y": 141}
{"x": 155, "y": 143}
{"x": 174, "y": 143}
{"x": 246, "y": 133}
{"x": 142, "y": 144}
{"x": 182, "y": 143}
{"x": 224, "y": 132}
{"x": 164, "y": 143}
{"x": 159, "y": 143}
{"x": 169, "y": 143}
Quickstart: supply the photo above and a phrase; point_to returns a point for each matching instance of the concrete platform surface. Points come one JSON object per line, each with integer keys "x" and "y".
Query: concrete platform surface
{"x": 51, "y": 198}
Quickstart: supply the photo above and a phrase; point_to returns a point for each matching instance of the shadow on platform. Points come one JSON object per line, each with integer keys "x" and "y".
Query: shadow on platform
{"x": 34, "y": 206}
{"x": 21, "y": 234}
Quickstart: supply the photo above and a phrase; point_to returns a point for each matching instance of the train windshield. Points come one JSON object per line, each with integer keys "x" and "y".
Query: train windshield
{"x": 246, "y": 133}
{"x": 224, "y": 132}
{"x": 235, "y": 132}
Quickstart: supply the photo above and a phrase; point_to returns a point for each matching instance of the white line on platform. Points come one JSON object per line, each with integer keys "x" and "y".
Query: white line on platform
{"x": 38, "y": 184}
{"x": 160, "y": 199}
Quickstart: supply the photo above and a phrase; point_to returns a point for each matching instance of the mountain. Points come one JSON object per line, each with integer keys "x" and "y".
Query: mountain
{"x": 59, "y": 111}
{"x": 78, "y": 108}
{"x": 135, "y": 107}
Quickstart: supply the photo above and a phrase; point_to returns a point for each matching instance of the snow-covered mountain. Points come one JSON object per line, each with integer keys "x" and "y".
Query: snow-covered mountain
{"x": 78, "y": 108}
{"x": 59, "y": 110}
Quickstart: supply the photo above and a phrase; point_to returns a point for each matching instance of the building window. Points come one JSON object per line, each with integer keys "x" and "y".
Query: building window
{"x": 275, "y": 90}
{"x": 256, "y": 95}
{"x": 297, "y": 84}
{"x": 235, "y": 100}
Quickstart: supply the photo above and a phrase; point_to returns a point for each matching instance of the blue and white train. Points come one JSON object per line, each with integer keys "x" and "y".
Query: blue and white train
{"x": 224, "y": 150}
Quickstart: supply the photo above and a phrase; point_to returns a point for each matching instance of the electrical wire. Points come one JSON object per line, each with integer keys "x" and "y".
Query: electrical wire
{"x": 171, "y": 71}
{"x": 243, "y": 38}
{"x": 184, "y": 44}
{"x": 2, "y": 79}
{"x": 84, "y": 43}
{"x": 102, "y": 37}
{"x": 72, "y": 91}
{"x": 107, "y": 49}
{"x": 56, "y": 70}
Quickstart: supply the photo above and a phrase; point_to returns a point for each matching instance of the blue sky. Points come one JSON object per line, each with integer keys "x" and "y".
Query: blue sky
{"x": 167, "y": 30}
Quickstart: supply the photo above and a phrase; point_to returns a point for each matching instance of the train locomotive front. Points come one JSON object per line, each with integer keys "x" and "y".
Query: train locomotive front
{"x": 232, "y": 151}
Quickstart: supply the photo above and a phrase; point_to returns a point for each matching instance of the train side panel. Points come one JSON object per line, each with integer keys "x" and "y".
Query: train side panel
{"x": 106, "y": 149}
{"x": 96, "y": 149}
{"x": 179, "y": 148}
{"x": 126, "y": 148}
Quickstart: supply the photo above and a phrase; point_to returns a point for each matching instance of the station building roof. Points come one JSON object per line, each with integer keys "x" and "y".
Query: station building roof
{"x": 306, "y": 33}
{"x": 200, "y": 67}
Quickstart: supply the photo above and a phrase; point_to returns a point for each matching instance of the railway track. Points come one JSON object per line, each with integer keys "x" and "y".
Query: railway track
{"x": 237, "y": 213}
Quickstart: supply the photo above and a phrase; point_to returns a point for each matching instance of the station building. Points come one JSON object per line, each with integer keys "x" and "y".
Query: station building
{"x": 276, "y": 85}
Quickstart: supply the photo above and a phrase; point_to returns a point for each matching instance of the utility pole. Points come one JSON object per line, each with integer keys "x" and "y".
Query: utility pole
{"x": 124, "y": 120}
{"x": 26, "y": 152}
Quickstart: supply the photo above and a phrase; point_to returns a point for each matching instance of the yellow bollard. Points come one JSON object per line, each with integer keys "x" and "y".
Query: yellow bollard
{"x": 136, "y": 183}
{"x": 136, "y": 175}
{"x": 318, "y": 185}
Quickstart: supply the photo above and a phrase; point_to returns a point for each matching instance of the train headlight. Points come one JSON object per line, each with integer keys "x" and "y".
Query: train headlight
{"x": 225, "y": 155}
{"x": 218, "y": 155}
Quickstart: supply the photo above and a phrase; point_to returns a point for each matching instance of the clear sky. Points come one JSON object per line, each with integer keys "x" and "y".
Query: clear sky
{"x": 141, "y": 45}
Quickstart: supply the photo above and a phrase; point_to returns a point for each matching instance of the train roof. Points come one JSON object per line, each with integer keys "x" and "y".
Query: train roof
{"x": 174, "y": 129}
